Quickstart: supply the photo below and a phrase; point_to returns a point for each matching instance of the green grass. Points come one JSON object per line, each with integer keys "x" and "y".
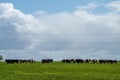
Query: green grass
{"x": 59, "y": 71}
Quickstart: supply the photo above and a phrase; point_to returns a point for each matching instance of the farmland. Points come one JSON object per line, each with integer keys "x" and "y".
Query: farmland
{"x": 59, "y": 71}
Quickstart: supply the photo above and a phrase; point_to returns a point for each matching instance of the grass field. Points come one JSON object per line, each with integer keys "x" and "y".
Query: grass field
{"x": 59, "y": 71}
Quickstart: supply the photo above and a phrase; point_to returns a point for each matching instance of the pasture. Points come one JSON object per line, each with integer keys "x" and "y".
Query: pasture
{"x": 59, "y": 71}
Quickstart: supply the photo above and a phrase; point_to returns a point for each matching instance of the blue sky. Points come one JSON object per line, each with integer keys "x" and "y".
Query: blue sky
{"x": 60, "y": 29}
{"x": 52, "y": 6}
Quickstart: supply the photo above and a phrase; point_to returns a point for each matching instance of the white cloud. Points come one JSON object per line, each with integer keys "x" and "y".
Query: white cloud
{"x": 18, "y": 23}
{"x": 59, "y": 35}
{"x": 114, "y": 5}
{"x": 87, "y": 7}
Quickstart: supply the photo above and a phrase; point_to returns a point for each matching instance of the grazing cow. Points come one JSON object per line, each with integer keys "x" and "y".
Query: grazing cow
{"x": 88, "y": 61}
{"x": 79, "y": 60}
{"x": 12, "y": 61}
{"x": 68, "y": 61}
{"x": 63, "y": 61}
{"x": 115, "y": 61}
{"x": 105, "y": 61}
{"x": 94, "y": 61}
{"x": 47, "y": 60}
{"x": 19, "y": 61}
{"x": 73, "y": 61}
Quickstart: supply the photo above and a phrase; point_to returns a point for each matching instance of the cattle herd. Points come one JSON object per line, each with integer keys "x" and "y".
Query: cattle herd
{"x": 20, "y": 61}
{"x": 93, "y": 61}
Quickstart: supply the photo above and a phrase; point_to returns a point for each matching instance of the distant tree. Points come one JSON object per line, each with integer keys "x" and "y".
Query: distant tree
{"x": 1, "y": 58}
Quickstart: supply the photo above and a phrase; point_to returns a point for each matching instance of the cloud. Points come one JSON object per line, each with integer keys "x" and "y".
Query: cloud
{"x": 114, "y": 5}
{"x": 76, "y": 34}
{"x": 14, "y": 26}
{"x": 90, "y": 6}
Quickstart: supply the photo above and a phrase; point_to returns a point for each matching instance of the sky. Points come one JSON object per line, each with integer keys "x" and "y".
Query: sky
{"x": 60, "y": 29}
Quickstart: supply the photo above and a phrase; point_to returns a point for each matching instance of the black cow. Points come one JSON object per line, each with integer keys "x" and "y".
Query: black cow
{"x": 105, "y": 61}
{"x": 47, "y": 60}
{"x": 68, "y": 61}
{"x": 20, "y": 61}
{"x": 79, "y": 60}
{"x": 94, "y": 61}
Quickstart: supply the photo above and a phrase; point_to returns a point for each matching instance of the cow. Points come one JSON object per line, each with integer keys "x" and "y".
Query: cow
{"x": 105, "y": 61}
{"x": 79, "y": 60}
{"x": 47, "y": 60}
{"x": 68, "y": 61}
{"x": 20, "y": 61}
{"x": 12, "y": 61}
{"x": 94, "y": 61}
{"x": 88, "y": 61}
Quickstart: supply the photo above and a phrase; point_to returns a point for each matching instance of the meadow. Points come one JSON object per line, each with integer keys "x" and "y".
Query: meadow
{"x": 59, "y": 71}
